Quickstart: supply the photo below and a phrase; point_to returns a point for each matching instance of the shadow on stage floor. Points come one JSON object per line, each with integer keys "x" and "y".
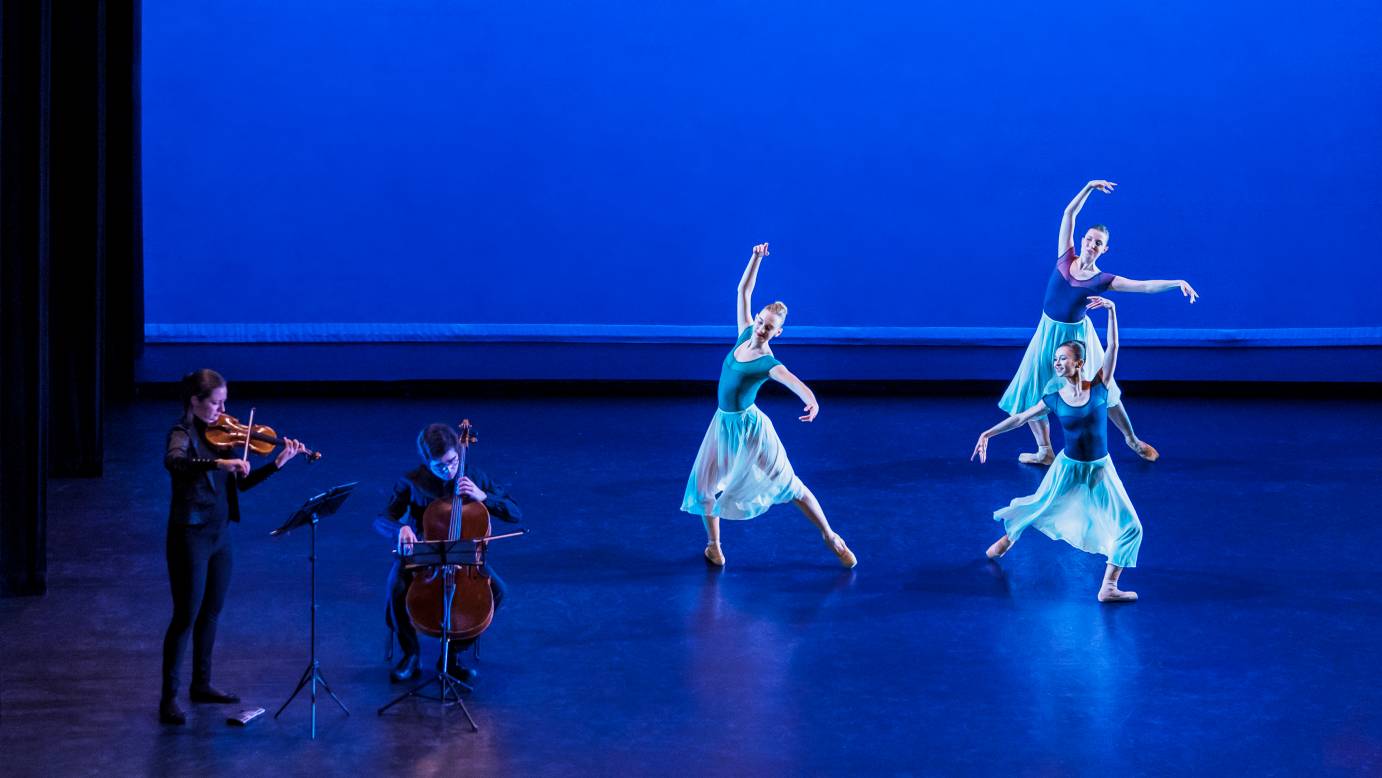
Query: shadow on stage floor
{"x": 619, "y": 652}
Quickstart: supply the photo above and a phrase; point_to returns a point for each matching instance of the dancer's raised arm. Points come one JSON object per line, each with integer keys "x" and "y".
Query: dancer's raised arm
{"x": 784, "y": 376}
{"x": 1067, "y": 222}
{"x": 1121, "y": 284}
{"x": 1111, "y": 353}
{"x": 746, "y": 282}
{"x": 981, "y": 449}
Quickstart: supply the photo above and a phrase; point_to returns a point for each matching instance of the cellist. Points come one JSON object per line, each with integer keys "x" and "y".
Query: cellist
{"x": 401, "y": 520}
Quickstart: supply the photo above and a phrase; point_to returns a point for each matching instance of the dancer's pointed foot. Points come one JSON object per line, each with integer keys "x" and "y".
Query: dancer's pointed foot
{"x": 999, "y": 547}
{"x": 1110, "y": 592}
{"x": 714, "y": 555}
{"x": 1043, "y": 456}
{"x": 1143, "y": 449}
{"x": 837, "y": 544}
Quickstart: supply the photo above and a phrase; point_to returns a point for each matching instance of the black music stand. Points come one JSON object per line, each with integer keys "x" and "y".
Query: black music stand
{"x": 448, "y": 555}
{"x": 311, "y": 512}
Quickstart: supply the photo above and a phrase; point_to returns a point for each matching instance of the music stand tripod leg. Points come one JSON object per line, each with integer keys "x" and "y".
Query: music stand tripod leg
{"x": 321, "y": 678}
{"x": 306, "y": 676}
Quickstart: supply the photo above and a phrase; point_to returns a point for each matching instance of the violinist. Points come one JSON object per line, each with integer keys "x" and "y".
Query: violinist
{"x": 401, "y": 520}
{"x": 205, "y": 505}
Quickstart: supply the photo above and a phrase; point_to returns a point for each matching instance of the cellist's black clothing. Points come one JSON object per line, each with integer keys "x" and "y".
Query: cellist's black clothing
{"x": 411, "y": 495}
{"x": 201, "y": 516}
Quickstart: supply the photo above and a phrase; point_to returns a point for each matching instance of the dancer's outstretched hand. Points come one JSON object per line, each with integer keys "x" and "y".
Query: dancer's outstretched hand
{"x": 1096, "y": 301}
{"x": 811, "y": 411}
{"x": 760, "y": 251}
{"x": 1103, "y": 186}
{"x": 981, "y": 449}
{"x": 1189, "y": 291}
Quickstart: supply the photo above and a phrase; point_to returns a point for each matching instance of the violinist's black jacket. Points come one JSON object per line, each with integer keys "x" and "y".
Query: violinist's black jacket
{"x": 198, "y": 485}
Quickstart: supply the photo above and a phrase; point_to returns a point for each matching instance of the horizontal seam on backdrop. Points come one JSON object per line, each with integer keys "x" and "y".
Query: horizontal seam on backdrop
{"x": 389, "y": 332}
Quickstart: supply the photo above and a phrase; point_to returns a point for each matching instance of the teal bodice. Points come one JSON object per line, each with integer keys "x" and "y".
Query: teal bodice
{"x": 739, "y": 381}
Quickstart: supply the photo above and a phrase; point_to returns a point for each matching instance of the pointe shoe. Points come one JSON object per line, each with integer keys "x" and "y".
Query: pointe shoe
{"x": 1043, "y": 456}
{"x": 999, "y": 548}
{"x": 169, "y": 712}
{"x": 1144, "y": 450}
{"x": 1111, "y": 593}
{"x": 846, "y": 556}
{"x": 714, "y": 555}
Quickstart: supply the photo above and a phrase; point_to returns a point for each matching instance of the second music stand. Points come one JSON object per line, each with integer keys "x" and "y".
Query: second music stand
{"x": 311, "y": 512}
{"x": 447, "y": 555}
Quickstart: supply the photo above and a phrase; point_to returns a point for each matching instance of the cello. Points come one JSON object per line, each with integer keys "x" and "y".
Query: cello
{"x": 453, "y": 518}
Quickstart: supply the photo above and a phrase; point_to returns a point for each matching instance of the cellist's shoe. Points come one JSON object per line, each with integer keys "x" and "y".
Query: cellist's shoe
{"x": 210, "y": 694}
{"x": 405, "y": 669}
{"x": 837, "y": 544}
{"x": 714, "y": 555}
{"x": 460, "y": 672}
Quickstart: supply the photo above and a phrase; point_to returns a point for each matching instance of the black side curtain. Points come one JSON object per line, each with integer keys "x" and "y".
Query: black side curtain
{"x": 71, "y": 253}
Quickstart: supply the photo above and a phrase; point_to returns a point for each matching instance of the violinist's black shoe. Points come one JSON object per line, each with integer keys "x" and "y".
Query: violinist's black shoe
{"x": 169, "y": 712}
{"x": 211, "y": 694}
{"x": 405, "y": 669}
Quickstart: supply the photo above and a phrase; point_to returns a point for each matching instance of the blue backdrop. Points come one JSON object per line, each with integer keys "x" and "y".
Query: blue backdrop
{"x": 555, "y": 162}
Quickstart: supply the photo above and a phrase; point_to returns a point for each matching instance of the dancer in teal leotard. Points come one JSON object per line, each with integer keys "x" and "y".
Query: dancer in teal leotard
{"x": 1081, "y": 500}
{"x": 1073, "y": 280}
{"x": 741, "y": 469}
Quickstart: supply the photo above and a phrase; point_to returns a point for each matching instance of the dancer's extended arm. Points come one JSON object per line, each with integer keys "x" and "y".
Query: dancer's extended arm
{"x": 1121, "y": 284}
{"x": 981, "y": 449}
{"x": 1111, "y": 353}
{"x": 746, "y": 282}
{"x": 784, "y": 376}
{"x": 1067, "y": 222}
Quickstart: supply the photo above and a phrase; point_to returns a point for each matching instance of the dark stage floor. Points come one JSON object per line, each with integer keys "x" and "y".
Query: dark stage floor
{"x": 619, "y": 652}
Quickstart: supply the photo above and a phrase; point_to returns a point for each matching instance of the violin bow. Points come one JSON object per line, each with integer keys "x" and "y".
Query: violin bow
{"x": 248, "y": 434}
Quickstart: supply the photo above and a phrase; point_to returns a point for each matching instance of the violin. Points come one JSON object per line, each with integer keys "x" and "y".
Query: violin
{"x": 452, "y": 518}
{"x": 228, "y": 433}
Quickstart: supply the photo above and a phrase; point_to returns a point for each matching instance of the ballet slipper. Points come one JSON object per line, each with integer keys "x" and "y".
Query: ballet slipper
{"x": 714, "y": 555}
{"x": 999, "y": 547}
{"x": 1143, "y": 449}
{"x": 1043, "y": 456}
{"x": 837, "y": 544}
{"x": 1110, "y": 593}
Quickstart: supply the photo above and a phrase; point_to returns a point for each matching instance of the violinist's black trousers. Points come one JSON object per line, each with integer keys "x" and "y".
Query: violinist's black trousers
{"x": 199, "y": 563}
{"x": 399, "y": 579}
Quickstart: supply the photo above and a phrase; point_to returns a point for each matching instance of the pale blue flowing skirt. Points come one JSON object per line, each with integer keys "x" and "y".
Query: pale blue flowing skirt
{"x": 1036, "y": 376}
{"x": 741, "y": 469}
{"x": 1082, "y": 503}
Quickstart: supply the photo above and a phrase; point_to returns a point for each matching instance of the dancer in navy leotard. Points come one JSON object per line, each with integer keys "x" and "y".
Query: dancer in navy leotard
{"x": 1073, "y": 280}
{"x": 741, "y": 469}
{"x": 1081, "y": 500}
